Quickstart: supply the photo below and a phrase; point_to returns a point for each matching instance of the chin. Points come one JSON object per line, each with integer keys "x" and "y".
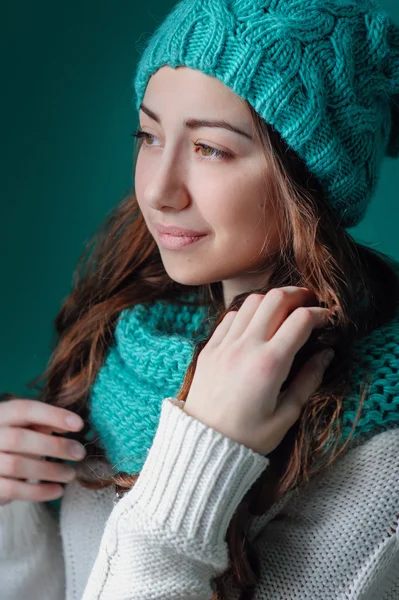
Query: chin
{"x": 189, "y": 278}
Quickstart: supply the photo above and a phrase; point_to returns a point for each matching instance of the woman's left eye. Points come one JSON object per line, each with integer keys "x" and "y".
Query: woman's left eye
{"x": 212, "y": 152}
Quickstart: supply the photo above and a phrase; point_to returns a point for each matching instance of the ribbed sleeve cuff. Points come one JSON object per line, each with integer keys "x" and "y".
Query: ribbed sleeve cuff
{"x": 193, "y": 480}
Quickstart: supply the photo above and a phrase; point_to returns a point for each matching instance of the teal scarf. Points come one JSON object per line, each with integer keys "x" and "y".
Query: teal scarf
{"x": 154, "y": 344}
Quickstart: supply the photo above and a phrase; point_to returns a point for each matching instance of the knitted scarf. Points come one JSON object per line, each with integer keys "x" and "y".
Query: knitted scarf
{"x": 154, "y": 344}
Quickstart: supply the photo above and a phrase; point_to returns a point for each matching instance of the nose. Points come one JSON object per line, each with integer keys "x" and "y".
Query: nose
{"x": 167, "y": 187}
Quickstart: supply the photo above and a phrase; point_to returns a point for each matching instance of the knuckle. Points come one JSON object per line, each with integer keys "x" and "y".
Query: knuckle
{"x": 10, "y": 464}
{"x": 12, "y": 438}
{"x": 53, "y": 446}
{"x": 304, "y": 314}
{"x": 20, "y": 406}
{"x": 51, "y": 471}
{"x": 9, "y": 408}
{"x": 230, "y": 315}
{"x": 62, "y": 447}
{"x": 7, "y": 488}
{"x": 277, "y": 295}
{"x": 254, "y": 298}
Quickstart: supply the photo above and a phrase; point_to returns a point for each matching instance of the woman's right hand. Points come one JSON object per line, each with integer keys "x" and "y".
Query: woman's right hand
{"x": 25, "y": 438}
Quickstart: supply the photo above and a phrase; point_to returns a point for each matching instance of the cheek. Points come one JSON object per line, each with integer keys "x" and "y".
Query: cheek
{"x": 141, "y": 180}
{"x": 238, "y": 205}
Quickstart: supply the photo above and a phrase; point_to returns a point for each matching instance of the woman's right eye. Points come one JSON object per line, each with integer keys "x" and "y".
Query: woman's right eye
{"x": 139, "y": 134}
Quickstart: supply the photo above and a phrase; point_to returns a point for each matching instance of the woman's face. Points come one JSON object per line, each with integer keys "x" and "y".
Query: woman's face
{"x": 205, "y": 178}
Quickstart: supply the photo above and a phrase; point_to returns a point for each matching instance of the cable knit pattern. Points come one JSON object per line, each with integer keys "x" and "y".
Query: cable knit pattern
{"x": 153, "y": 348}
{"x": 377, "y": 354}
{"x": 154, "y": 343}
{"x": 323, "y": 73}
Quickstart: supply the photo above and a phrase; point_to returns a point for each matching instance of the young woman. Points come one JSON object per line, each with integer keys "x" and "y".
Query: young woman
{"x": 225, "y": 458}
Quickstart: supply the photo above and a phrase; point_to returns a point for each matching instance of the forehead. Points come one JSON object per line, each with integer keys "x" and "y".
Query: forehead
{"x": 184, "y": 87}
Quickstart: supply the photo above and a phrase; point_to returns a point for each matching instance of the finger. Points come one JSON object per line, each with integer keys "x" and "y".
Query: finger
{"x": 222, "y": 329}
{"x": 16, "y": 466}
{"x": 244, "y": 316}
{"x": 22, "y": 412}
{"x": 296, "y": 330}
{"x": 39, "y": 444}
{"x": 307, "y": 381}
{"x": 12, "y": 489}
{"x": 46, "y": 429}
{"x": 277, "y": 304}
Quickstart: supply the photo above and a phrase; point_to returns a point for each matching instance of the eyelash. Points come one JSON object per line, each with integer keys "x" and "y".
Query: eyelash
{"x": 216, "y": 154}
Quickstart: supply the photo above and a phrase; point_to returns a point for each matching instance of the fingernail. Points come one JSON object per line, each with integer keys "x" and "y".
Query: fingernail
{"x": 57, "y": 493}
{"x": 74, "y": 421}
{"x": 69, "y": 473}
{"x": 327, "y": 356}
{"x": 77, "y": 450}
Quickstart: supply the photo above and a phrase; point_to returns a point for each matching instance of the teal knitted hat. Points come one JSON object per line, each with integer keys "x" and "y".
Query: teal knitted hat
{"x": 323, "y": 73}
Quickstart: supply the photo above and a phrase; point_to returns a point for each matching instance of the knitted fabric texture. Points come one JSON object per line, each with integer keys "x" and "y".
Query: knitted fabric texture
{"x": 323, "y": 73}
{"x": 154, "y": 344}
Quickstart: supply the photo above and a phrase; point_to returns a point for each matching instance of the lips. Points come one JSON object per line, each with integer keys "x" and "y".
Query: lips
{"x": 175, "y": 242}
{"x": 178, "y": 231}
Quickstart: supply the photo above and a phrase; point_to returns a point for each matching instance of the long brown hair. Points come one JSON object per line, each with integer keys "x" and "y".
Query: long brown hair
{"x": 122, "y": 267}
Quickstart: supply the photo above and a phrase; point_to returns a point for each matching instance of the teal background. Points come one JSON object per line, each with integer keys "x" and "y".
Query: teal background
{"x": 67, "y": 154}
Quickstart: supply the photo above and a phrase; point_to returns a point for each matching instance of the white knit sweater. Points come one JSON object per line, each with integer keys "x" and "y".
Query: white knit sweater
{"x": 337, "y": 539}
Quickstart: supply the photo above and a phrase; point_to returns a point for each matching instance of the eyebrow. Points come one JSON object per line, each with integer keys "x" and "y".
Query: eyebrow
{"x": 197, "y": 123}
